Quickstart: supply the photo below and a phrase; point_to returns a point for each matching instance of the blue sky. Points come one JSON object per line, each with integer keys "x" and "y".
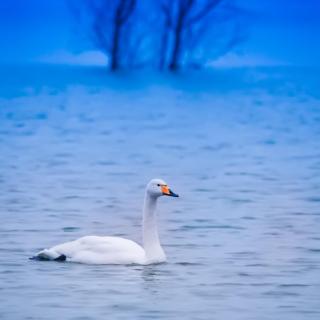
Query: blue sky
{"x": 284, "y": 32}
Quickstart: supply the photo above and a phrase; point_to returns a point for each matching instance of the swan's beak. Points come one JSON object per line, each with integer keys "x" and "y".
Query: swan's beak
{"x": 167, "y": 192}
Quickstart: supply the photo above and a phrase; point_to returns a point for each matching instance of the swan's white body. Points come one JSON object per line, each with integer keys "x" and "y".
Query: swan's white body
{"x": 98, "y": 250}
{"x": 116, "y": 250}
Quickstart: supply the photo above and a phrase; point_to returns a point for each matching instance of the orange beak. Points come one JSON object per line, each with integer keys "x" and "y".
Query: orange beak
{"x": 167, "y": 192}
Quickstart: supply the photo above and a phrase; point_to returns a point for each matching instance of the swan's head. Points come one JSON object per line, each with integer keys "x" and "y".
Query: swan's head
{"x": 157, "y": 188}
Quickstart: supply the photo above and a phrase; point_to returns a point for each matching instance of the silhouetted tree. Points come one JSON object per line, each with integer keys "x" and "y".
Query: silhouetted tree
{"x": 187, "y": 23}
{"x": 108, "y": 21}
{"x": 180, "y": 17}
{"x": 123, "y": 11}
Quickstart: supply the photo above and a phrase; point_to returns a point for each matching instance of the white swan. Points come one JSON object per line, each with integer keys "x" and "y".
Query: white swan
{"x": 115, "y": 250}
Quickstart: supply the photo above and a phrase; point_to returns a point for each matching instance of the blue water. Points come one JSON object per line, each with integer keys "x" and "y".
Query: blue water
{"x": 243, "y": 239}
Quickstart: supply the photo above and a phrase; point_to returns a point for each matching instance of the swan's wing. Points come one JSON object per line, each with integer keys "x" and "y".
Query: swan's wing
{"x": 99, "y": 250}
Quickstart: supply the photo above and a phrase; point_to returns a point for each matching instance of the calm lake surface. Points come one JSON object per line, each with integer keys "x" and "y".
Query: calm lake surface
{"x": 243, "y": 239}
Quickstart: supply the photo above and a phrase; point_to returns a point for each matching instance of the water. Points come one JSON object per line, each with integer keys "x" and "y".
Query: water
{"x": 243, "y": 239}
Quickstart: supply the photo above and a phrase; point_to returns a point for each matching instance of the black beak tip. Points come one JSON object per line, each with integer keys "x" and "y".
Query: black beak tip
{"x": 169, "y": 193}
{"x": 172, "y": 194}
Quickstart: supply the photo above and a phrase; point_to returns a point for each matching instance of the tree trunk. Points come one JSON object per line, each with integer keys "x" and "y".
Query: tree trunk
{"x": 115, "y": 47}
{"x": 164, "y": 48}
{"x": 175, "y": 57}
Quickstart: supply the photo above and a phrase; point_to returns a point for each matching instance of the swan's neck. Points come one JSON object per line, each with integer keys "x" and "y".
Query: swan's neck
{"x": 151, "y": 242}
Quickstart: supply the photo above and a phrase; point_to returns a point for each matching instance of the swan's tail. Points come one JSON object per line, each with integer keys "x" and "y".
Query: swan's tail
{"x": 49, "y": 255}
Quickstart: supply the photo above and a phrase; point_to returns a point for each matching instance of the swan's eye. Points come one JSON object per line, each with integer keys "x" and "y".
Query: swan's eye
{"x": 158, "y": 184}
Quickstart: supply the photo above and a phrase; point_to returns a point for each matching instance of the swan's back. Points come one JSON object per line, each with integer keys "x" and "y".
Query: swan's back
{"x": 101, "y": 250}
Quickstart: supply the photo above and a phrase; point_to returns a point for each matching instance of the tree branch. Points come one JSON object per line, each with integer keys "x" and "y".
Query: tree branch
{"x": 127, "y": 9}
{"x": 211, "y": 5}
{"x": 166, "y": 10}
{"x": 185, "y": 6}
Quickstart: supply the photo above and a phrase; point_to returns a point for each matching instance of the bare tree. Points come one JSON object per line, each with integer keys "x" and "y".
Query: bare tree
{"x": 108, "y": 21}
{"x": 123, "y": 11}
{"x": 180, "y": 17}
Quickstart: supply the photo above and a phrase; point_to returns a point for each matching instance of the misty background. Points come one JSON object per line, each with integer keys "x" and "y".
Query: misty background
{"x": 277, "y": 33}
